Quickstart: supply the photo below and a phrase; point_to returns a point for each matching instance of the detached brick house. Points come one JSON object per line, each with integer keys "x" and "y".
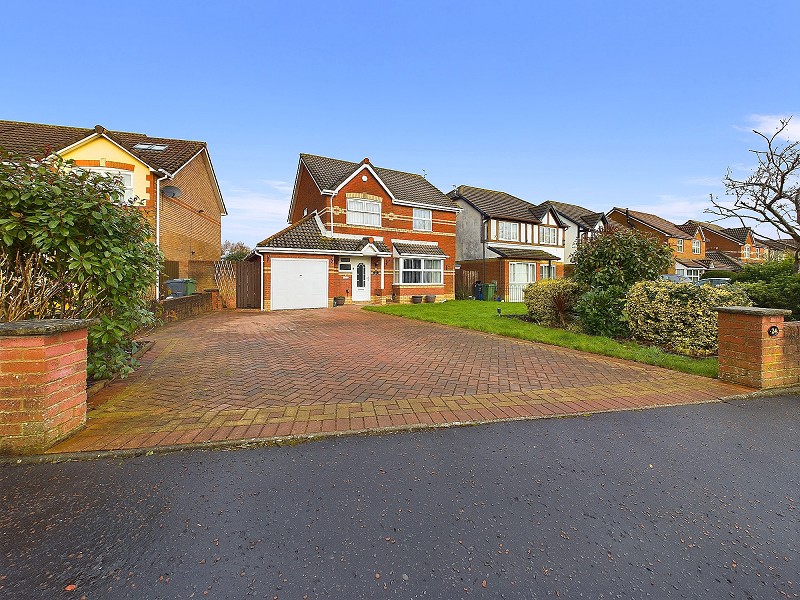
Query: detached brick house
{"x": 172, "y": 180}
{"x": 361, "y": 233}
{"x": 687, "y": 241}
{"x": 582, "y": 224}
{"x": 736, "y": 243}
{"x": 506, "y": 240}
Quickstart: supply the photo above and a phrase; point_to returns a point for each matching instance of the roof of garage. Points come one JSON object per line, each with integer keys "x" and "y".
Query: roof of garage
{"x": 307, "y": 234}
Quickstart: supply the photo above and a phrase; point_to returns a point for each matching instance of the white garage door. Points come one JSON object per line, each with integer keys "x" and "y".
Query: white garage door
{"x": 299, "y": 283}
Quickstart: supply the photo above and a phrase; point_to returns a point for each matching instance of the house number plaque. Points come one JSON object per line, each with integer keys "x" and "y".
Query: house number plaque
{"x": 773, "y": 331}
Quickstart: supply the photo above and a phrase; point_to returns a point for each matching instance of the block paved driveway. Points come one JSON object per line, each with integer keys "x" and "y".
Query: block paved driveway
{"x": 238, "y": 375}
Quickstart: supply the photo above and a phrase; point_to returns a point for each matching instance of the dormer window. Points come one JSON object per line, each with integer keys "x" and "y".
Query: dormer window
{"x": 508, "y": 231}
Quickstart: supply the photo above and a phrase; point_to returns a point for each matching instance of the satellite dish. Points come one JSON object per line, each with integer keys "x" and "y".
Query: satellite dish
{"x": 170, "y": 191}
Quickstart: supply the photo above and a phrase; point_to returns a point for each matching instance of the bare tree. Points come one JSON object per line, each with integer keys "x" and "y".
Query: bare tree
{"x": 771, "y": 194}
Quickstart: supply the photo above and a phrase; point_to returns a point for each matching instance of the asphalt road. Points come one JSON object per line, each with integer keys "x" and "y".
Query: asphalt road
{"x": 687, "y": 502}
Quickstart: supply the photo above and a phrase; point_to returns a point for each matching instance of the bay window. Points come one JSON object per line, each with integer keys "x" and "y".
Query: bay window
{"x": 419, "y": 270}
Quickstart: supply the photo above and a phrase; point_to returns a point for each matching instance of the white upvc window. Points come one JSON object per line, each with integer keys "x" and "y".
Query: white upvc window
{"x": 680, "y": 272}
{"x": 123, "y": 175}
{"x": 361, "y": 211}
{"x": 548, "y": 235}
{"x": 746, "y": 251}
{"x": 679, "y": 246}
{"x": 695, "y": 246}
{"x": 694, "y": 274}
{"x": 419, "y": 270}
{"x": 508, "y": 231}
{"x": 345, "y": 264}
{"x": 522, "y": 272}
{"x": 548, "y": 271}
{"x": 423, "y": 219}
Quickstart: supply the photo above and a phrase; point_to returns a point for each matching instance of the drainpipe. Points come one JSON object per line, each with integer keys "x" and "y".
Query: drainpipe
{"x": 261, "y": 254}
{"x": 332, "y": 195}
{"x": 158, "y": 225}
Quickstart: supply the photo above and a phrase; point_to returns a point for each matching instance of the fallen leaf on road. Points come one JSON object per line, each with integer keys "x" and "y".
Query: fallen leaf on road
{"x": 70, "y": 588}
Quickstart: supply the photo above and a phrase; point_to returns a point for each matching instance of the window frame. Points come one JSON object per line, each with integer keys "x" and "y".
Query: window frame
{"x": 547, "y": 272}
{"x": 352, "y": 212}
{"x": 131, "y": 197}
{"x": 402, "y": 272}
{"x": 529, "y": 268}
{"x": 746, "y": 251}
{"x": 696, "y": 244}
{"x": 500, "y": 234}
{"x": 543, "y": 228}
{"x": 426, "y": 220}
{"x": 679, "y": 245}
{"x": 345, "y": 260}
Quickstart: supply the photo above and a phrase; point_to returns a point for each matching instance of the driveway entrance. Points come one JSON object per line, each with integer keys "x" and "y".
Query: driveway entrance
{"x": 236, "y": 375}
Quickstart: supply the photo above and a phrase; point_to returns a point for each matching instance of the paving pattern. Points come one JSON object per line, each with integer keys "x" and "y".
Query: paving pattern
{"x": 239, "y": 375}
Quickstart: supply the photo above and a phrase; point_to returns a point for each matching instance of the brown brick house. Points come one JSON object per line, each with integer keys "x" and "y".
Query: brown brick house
{"x": 172, "y": 180}
{"x": 737, "y": 243}
{"x": 505, "y": 240}
{"x": 362, "y": 233}
{"x": 687, "y": 241}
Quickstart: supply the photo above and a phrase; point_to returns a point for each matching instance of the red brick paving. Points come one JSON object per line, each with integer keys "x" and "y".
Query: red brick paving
{"x": 241, "y": 375}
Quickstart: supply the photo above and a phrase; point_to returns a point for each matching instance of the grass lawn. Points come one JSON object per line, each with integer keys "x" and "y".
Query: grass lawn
{"x": 482, "y": 316}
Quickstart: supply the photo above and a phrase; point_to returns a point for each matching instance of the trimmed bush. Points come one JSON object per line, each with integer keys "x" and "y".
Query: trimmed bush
{"x": 550, "y": 301}
{"x": 772, "y": 284}
{"x": 600, "y": 312}
{"x": 679, "y": 317}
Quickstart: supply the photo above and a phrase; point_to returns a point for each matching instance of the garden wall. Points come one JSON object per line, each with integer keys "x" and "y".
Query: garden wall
{"x": 176, "y": 309}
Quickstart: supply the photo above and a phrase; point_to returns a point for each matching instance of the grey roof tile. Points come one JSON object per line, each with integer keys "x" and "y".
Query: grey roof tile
{"x": 578, "y": 214}
{"x": 306, "y": 235}
{"x": 419, "y": 249}
{"x": 329, "y": 173}
{"x": 524, "y": 253}
{"x": 498, "y": 205}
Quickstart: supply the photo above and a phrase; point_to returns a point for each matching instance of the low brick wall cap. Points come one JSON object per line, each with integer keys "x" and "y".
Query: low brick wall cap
{"x": 43, "y": 326}
{"x": 754, "y": 311}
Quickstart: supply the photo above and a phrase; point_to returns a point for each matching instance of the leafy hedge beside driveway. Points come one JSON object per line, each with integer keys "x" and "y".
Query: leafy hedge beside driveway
{"x": 482, "y": 316}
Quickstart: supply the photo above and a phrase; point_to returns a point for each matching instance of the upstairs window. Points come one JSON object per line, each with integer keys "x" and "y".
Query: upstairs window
{"x": 548, "y": 235}
{"x": 363, "y": 212}
{"x": 423, "y": 219}
{"x": 695, "y": 246}
{"x": 679, "y": 246}
{"x": 746, "y": 251}
{"x": 508, "y": 231}
{"x": 126, "y": 177}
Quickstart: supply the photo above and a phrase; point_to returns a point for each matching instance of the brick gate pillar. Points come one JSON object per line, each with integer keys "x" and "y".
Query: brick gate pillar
{"x": 42, "y": 383}
{"x": 751, "y": 346}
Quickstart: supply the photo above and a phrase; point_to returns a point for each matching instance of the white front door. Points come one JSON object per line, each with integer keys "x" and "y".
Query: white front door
{"x": 361, "y": 274}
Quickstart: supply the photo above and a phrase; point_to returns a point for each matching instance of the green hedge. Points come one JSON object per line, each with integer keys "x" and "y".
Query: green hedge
{"x": 550, "y": 301}
{"x": 679, "y": 317}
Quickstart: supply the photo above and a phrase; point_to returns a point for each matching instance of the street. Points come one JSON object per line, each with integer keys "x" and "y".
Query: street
{"x": 695, "y": 501}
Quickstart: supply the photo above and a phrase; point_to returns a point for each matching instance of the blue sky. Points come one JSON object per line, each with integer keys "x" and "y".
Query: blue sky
{"x": 602, "y": 104}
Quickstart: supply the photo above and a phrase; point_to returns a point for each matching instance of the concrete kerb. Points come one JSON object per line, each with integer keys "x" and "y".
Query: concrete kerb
{"x": 292, "y": 440}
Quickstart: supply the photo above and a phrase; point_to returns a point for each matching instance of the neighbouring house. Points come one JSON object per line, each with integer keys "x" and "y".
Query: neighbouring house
{"x": 737, "y": 243}
{"x": 507, "y": 241}
{"x": 777, "y": 249}
{"x": 582, "y": 224}
{"x": 687, "y": 241}
{"x": 359, "y": 233}
{"x": 172, "y": 180}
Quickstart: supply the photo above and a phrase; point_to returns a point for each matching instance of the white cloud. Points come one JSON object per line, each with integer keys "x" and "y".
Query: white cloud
{"x": 678, "y": 209}
{"x": 256, "y": 212}
{"x": 768, "y": 124}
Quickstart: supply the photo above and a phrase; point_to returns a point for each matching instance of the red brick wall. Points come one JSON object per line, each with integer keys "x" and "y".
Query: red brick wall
{"x": 42, "y": 389}
{"x": 185, "y": 233}
{"x": 749, "y": 355}
{"x": 307, "y": 197}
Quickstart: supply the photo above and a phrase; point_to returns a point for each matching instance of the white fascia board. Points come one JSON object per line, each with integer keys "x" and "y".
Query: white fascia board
{"x": 374, "y": 174}
{"x": 425, "y": 242}
{"x": 396, "y": 254}
{"x": 269, "y": 250}
{"x": 94, "y": 136}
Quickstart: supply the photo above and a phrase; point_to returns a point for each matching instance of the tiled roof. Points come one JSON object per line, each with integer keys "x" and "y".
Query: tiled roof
{"x": 691, "y": 264}
{"x": 656, "y": 222}
{"x": 689, "y": 227}
{"x": 738, "y": 234}
{"x": 422, "y": 249}
{"x": 723, "y": 261}
{"x": 498, "y": 205}
{"x": 523, "y": 253}
{"x": 307, "y": 235}
{"x": 578, "y": 214}
{"x": 780, "y": 244}
{"x": 329, "y": 173}
{"x": 31, "y": 138}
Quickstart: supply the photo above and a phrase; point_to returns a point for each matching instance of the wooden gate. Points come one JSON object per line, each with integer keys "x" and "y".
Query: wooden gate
{"x": 248, "y": 284}
{"x": 465, "y": 281}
